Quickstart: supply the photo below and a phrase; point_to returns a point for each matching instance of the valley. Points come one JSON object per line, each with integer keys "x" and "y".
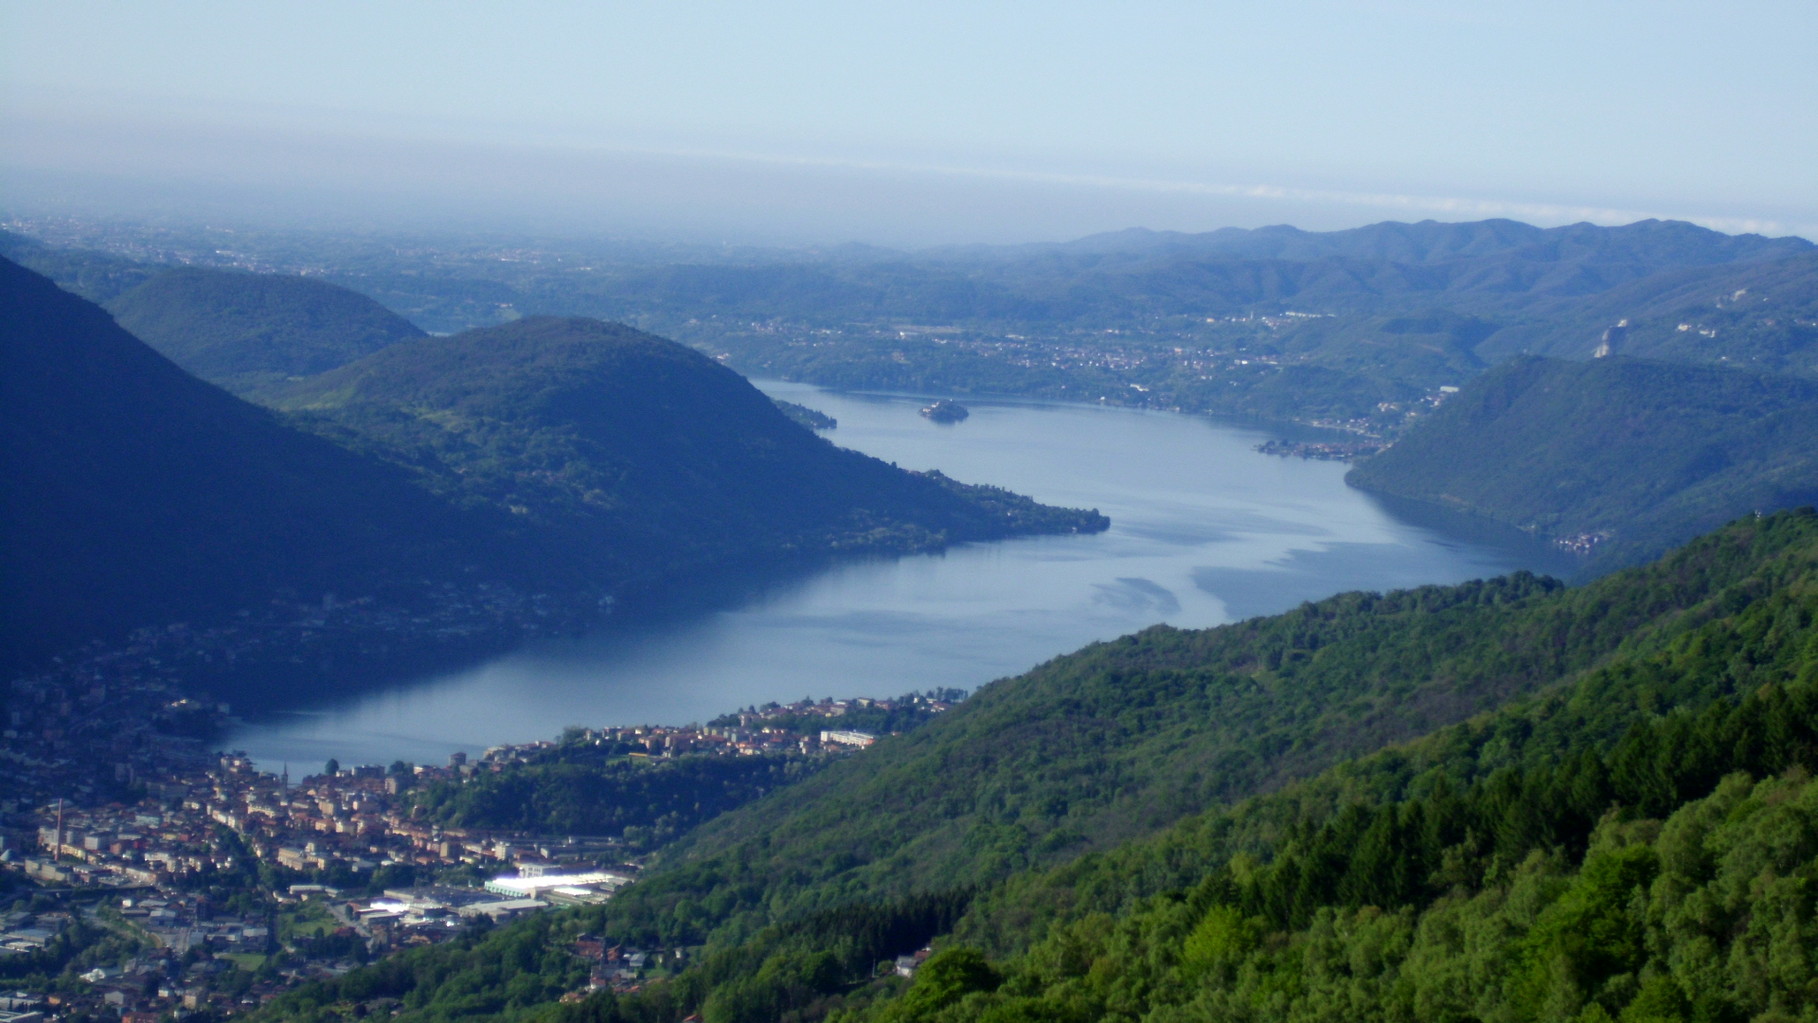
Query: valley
{"x": 1239, "y": 796}
{"x": 885, "y": 513}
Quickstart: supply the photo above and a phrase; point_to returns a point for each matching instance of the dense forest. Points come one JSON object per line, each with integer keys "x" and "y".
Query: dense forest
{"x": 645, "y": 804}
{"x": 1623, "y": 832}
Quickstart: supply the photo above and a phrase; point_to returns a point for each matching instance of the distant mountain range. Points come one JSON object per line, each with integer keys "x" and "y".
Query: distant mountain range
{"x": 1360, "y": 328}
{"x": 1487, "y": 265}
{"x": 1654, "y": 244}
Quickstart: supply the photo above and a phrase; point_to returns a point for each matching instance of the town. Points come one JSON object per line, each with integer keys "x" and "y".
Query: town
{"x": 144, "y": 875}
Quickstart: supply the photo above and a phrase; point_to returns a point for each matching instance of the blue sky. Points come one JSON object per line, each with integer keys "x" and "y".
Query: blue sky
{"x": 912, "y": 123}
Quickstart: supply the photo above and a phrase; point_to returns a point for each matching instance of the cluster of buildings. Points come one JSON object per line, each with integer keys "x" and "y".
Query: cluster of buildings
{"x": 156, "y": 869}
{"x": 424, "y": 914}
{"x": 615, "y": 967}
{"x": 805, "y": 726}
{"x": 185, "y": 960}
{"x": 194, "y": 814}
{"x": 1320, "y": 451}
{"x": 121, "y": 847}
{"x": 1581, "y": 543}
{"x": 110, "y": 815}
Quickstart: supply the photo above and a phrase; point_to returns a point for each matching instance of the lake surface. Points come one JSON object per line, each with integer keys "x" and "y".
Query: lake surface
{"x": 1205, "y": 530}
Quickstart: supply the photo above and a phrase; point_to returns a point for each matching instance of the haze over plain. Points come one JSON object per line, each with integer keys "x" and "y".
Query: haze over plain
{"x": 926, "y": 124}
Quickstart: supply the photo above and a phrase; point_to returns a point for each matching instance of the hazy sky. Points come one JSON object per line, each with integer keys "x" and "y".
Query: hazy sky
{"x": 913, "y": 123}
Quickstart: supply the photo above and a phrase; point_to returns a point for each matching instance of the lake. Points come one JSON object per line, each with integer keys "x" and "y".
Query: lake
{"x": 1204, "y": 530}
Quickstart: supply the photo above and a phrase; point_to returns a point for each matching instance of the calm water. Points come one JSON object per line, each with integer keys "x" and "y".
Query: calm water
{"x": 1204, "y": 531}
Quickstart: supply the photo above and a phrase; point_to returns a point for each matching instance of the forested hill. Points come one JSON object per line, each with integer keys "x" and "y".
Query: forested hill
{"x": 1626, "y": 457}
{"x": 139, "y": 495}
{"x": 1636, "y": 844}
{"x": 642, "y": 456}
{"x": 1605, "y": 840}
{"x": 1124, "y": 737}
{"x": 242, "y": 330}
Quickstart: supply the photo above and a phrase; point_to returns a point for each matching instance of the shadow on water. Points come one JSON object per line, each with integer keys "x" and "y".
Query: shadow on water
{"x": 274, "y": 691}
{"x": 1463, "y": 529}
{"x": 1329, "y": 568}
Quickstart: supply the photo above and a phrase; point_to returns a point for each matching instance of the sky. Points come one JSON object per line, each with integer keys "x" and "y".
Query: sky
{"x": 910, "y": 123}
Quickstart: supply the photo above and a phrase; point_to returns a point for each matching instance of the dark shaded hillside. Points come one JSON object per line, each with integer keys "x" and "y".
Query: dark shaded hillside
{"x": 1636, "y": 455}
{"x": 241, "y": 330}
{"x": 1530, "y": 832}
{"x": 138, "y": 495}
{"x": 642, "y": 456}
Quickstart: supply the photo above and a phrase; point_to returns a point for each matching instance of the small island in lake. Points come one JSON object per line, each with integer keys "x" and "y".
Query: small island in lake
{"x": 945, "y": 411}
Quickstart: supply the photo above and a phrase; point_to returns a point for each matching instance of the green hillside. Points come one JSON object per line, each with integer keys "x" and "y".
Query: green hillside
{"x": 643, "y": 458}
{"x": 1123, "y": 738}
{"x": 1636, "y": 456}
{"x": 1581, "y": 849}
{"x": 1635, "y": 844}
{"x": 244, "y": 331}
